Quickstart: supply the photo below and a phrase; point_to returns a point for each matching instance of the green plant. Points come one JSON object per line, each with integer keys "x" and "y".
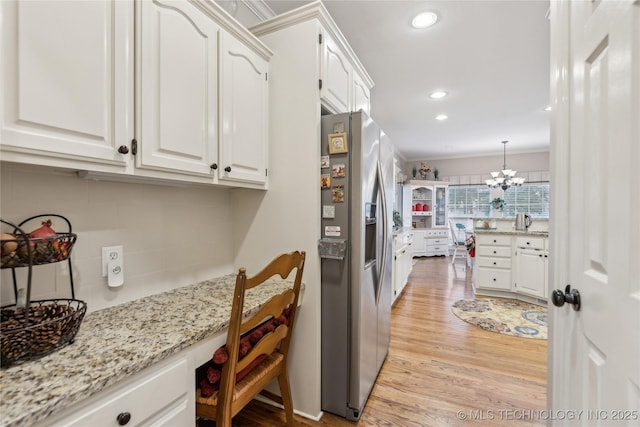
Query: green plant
{"x": 397, "y": 219}
{"x": 498, "y": 203}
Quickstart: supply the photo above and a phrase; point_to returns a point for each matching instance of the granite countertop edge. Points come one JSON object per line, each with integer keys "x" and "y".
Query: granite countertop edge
{"x": 117, "y": 342}
{"x": 513, "y": 232}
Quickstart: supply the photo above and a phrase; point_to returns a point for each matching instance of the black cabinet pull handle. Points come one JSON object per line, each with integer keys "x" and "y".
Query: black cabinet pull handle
{"x": 227, "y": 169}
{"x": 214, "y": 166}
{"x": 494, "y": 279}
{"x": 123, "y": 418}
{"x": 495, "y": 252}
{"x": 123, "y": 149}
{"x": 494, "y": 263}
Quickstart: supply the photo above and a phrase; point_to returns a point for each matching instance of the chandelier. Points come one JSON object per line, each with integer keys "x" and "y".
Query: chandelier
{"x": 508, "y": 177}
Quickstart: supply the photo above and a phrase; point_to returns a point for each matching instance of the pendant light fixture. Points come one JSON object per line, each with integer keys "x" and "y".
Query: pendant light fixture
{"x": 505, "y": 178}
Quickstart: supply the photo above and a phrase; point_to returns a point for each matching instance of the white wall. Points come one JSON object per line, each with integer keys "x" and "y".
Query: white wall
{"x": 288, "y": 216}
{"x": 171, "y": 236}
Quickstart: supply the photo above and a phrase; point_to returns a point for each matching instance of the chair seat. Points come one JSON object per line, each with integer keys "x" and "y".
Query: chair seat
{"x": 255, "y": 379}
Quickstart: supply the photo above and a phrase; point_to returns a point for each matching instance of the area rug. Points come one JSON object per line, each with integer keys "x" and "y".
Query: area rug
{"x": 505, "y": 316}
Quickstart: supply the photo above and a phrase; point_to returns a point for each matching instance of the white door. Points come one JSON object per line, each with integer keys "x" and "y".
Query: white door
{"x": 594, "y": 357}
{"x": 66, "y": 95}
{"x": 177, "y": 80}
{"x": 244, "y": 103}
{"x": 335, "y": 74}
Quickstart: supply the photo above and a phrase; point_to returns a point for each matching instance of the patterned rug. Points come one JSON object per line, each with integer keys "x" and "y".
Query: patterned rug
{"x": 505, "y": 316}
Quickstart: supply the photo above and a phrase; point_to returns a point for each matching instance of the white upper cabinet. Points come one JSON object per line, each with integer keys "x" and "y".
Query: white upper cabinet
{"x": 335, "y": 75}
{"x": 66, "y": 73}
{"x": 361, "y": 95}
{"x": 244, "y": 113}
{"x": 176, "y": 87}
{"x": 70, "y": 97}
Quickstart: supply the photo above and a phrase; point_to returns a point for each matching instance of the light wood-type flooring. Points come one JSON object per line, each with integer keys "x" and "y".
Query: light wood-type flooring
{"x": 441, "y": 371}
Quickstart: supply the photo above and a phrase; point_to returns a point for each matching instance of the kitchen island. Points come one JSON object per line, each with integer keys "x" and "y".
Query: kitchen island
{"x": 80, "y": 382}
{"x": 512, "y": 264}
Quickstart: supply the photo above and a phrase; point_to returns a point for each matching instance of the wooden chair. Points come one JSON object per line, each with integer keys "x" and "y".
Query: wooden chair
{"x": 458, "y": 241}
{"x": 273, "y": 347}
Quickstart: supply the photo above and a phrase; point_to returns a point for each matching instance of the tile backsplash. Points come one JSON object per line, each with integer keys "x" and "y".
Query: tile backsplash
{"x": 171, "y": 236}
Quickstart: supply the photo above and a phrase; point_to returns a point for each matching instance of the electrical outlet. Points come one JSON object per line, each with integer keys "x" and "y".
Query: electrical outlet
{"x": 111, "y": 254}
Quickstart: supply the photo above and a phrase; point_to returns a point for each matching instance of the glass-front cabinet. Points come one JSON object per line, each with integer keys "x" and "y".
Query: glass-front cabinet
{"x": 440, "y": 209}
{"x": 428, "y": 217}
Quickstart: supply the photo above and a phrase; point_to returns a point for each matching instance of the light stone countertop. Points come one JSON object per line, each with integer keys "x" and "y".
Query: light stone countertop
{"x": 512, "y": 232}
{"x": 120, "y": 341}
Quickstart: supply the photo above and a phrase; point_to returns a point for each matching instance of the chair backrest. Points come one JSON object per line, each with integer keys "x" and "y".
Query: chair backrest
{"x": 454, "y": 235}
{"x": 279, "y": 338}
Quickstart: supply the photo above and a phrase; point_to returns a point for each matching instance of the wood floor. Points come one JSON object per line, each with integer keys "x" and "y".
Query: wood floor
{"x": 441, "y": 370}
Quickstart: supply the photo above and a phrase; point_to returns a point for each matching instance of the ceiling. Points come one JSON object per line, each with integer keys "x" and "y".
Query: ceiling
{"x": 492, "y": 57}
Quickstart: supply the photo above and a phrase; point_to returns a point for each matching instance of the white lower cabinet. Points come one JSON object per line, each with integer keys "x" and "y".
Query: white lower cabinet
{"x": 530, "y": 267}
{"x": 161, "y": 395}
{"x": 431, "y": 242}
{"x": 512, "y": 266}
{"x": 402, "y": 262}
{"x": 493, "y": 261}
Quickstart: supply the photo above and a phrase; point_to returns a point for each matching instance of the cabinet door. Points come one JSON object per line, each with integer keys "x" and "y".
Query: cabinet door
{"x": 530, "y": 272}
{"x": 440, "y": 214}
{"x": 67, "y": 73}
{"x": 177, "y": 87}
{"x": 361, "y": 95}
{"x": 159, "y": 396}
{"x": 419, "y": 243}
{"x": 335, "y": 73}
{"x": 244, "y": 103}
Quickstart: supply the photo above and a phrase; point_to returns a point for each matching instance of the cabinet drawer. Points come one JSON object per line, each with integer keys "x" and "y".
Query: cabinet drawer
{"x": 164, "y": 389}
{"x": 494, "y": 262}
{"x": 437, "y": 242}
{"x": 494, "y": 251}
{"x": 494, "y": 278}
{"x": 497, "y": 240}
{"x": 530, "y": 242}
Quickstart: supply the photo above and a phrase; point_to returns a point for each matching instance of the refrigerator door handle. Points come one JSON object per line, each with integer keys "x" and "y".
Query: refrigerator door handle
{"x": 383, "y": 202}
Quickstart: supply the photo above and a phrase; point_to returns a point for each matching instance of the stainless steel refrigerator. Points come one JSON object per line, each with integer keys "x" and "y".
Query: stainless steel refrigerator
{"x": 355, "y": 248}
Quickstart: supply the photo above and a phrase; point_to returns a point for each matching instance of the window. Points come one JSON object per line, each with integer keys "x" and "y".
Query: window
{"x": 469, "y": 201}
{"x": 475, "y": 200}
{"x": 532, "y": 199}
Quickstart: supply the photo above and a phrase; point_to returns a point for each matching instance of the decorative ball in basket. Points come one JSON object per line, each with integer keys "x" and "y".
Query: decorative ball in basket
{"x": 31, "y": 329}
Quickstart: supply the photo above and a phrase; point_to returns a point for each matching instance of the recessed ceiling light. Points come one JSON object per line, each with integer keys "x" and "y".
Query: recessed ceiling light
{"x": 424, "y": 20}
{"x": 442, "y": 117}
{"x": 438, "y": 94}
{"x": 548, "y": 108}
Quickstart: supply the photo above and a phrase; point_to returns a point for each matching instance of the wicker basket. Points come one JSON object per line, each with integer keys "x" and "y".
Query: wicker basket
{"x": 44, "y": 250}
{"x": 41, "y": 329}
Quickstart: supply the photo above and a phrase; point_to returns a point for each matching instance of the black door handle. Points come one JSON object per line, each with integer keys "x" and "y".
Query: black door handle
{"x": 123, "y": 149}
{"x": 570, "y": 296}
{"x": 227, "y": 169}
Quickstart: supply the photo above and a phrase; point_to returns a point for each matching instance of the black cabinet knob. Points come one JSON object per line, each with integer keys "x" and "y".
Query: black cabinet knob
{"x": 227, "y": 169}
{"x": 123, "y": 149}
{"x": 123, "y": 418}
{"x": 214, "y": 166}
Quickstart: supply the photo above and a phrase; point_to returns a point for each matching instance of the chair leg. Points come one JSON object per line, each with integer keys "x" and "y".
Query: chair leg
{"x": 285, "y": 391}
{"x": 455, "y": 252}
